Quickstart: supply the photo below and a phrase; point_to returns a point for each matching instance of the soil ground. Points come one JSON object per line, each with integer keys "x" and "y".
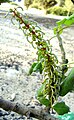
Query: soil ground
{"x": 17, "y": 55}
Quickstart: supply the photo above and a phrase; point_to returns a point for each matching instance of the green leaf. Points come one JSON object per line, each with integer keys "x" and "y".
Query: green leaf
{"x": 32, "y": 67}
{"x": 61, "y": 22}
{"x": 68, "y": 84}
{"x": 66, "y": 21}
{"x": 40, "y": 56}
{"x": 44, "y": 101}
{"x": 41, "y": 96}
{"x": 38, "y": 67}
{"x": 58, "y": 28}
{"x": 61, "y": 108}
{"x": 40, "y": 91}
{"x": 55, "y": 30}
{"x": 70, "y": 20}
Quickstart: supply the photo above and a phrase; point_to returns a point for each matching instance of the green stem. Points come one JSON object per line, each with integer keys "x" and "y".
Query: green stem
{"x": 62, "y": 48}
{"x": 63, "y": 57}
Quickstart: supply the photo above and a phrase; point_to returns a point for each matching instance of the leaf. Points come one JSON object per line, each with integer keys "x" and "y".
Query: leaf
{"x": 41, "y": 96}
{"x": 61, "y": 108}
{"x": 66, "y": 21}
{"x": 32, "y": 67}
{"x": 40, "y": 56}
{"x": 68, "y": 84}
{"x": 55, "y": 30}
{"x": 38, "y": 67}
{"x": 70, "y": 20}
{"x": 61, "y": 22}
{"x": 58, "y": 28}
{"x": 44, "y": 101}
{"x": 40, "y": 91}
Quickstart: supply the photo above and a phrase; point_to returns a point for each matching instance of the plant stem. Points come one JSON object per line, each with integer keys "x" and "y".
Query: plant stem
{"x": 63, "y": 57}
{"x": 62, "y": 48}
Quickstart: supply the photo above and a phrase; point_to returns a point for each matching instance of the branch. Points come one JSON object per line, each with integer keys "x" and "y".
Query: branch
{"x": 25, "y": 110}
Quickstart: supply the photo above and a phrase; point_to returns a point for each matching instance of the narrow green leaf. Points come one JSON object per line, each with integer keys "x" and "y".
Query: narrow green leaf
{"x": 38, "y": 67}
{"x": 40, "y": 91}
{"x": 55, "y": 30}
{"x": 32, "y": 67}
{"x": 61, "y": 22}
{"x": 68, "y": 84}
{"x": 61, "y": 108}
{"x": 40, "y": 56}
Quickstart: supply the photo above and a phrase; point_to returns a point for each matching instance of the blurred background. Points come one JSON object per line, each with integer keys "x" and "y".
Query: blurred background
{"x": 57, "y": 7}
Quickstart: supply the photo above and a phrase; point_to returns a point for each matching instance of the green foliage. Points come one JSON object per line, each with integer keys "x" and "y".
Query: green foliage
{"x": 64, "y": 8}
{"x": 36, "y": 67}
{"x": 68, "y": 84}
{"x": 58, "y": 28}
{"x": 43, "y": 101}
{"x": 32, "y": 68}
{"x": 27, "y": 3}
{"x": 61, "y": 108}
{"x": 42, "y": 95}
{"x": 57, "y": 10}
{"x": 62, "y": 24}
{"x": 37, "y": 3}
{"x": 2, "y": 1}
{"x": 66, "y": 21}
{"x": 41, "y": 90}
{"x": 37, "y": 6}
{"x": 47, "y": 62}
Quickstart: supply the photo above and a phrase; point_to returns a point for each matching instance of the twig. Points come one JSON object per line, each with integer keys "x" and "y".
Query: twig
{"x": 26, "y": 110}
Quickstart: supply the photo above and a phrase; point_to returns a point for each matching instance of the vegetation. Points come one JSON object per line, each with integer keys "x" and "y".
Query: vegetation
{"x": 57, "y": 10}
{"x": 2, "y": 1}
{"x": 43, "y": 3}
{"x": 58, "y": 7}
{"x": 55, "y": 82}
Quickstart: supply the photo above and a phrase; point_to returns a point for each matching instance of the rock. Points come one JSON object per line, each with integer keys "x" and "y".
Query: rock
{"x": 12, "y": 114}
{"x": 13, "y": 96}
{"x": 11, "y": 73}
{"x": 4, "y": 118}
{"x": 1, "y": 113}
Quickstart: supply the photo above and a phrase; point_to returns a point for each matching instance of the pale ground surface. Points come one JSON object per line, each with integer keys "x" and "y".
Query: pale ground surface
{"x": 16, "y": 51}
